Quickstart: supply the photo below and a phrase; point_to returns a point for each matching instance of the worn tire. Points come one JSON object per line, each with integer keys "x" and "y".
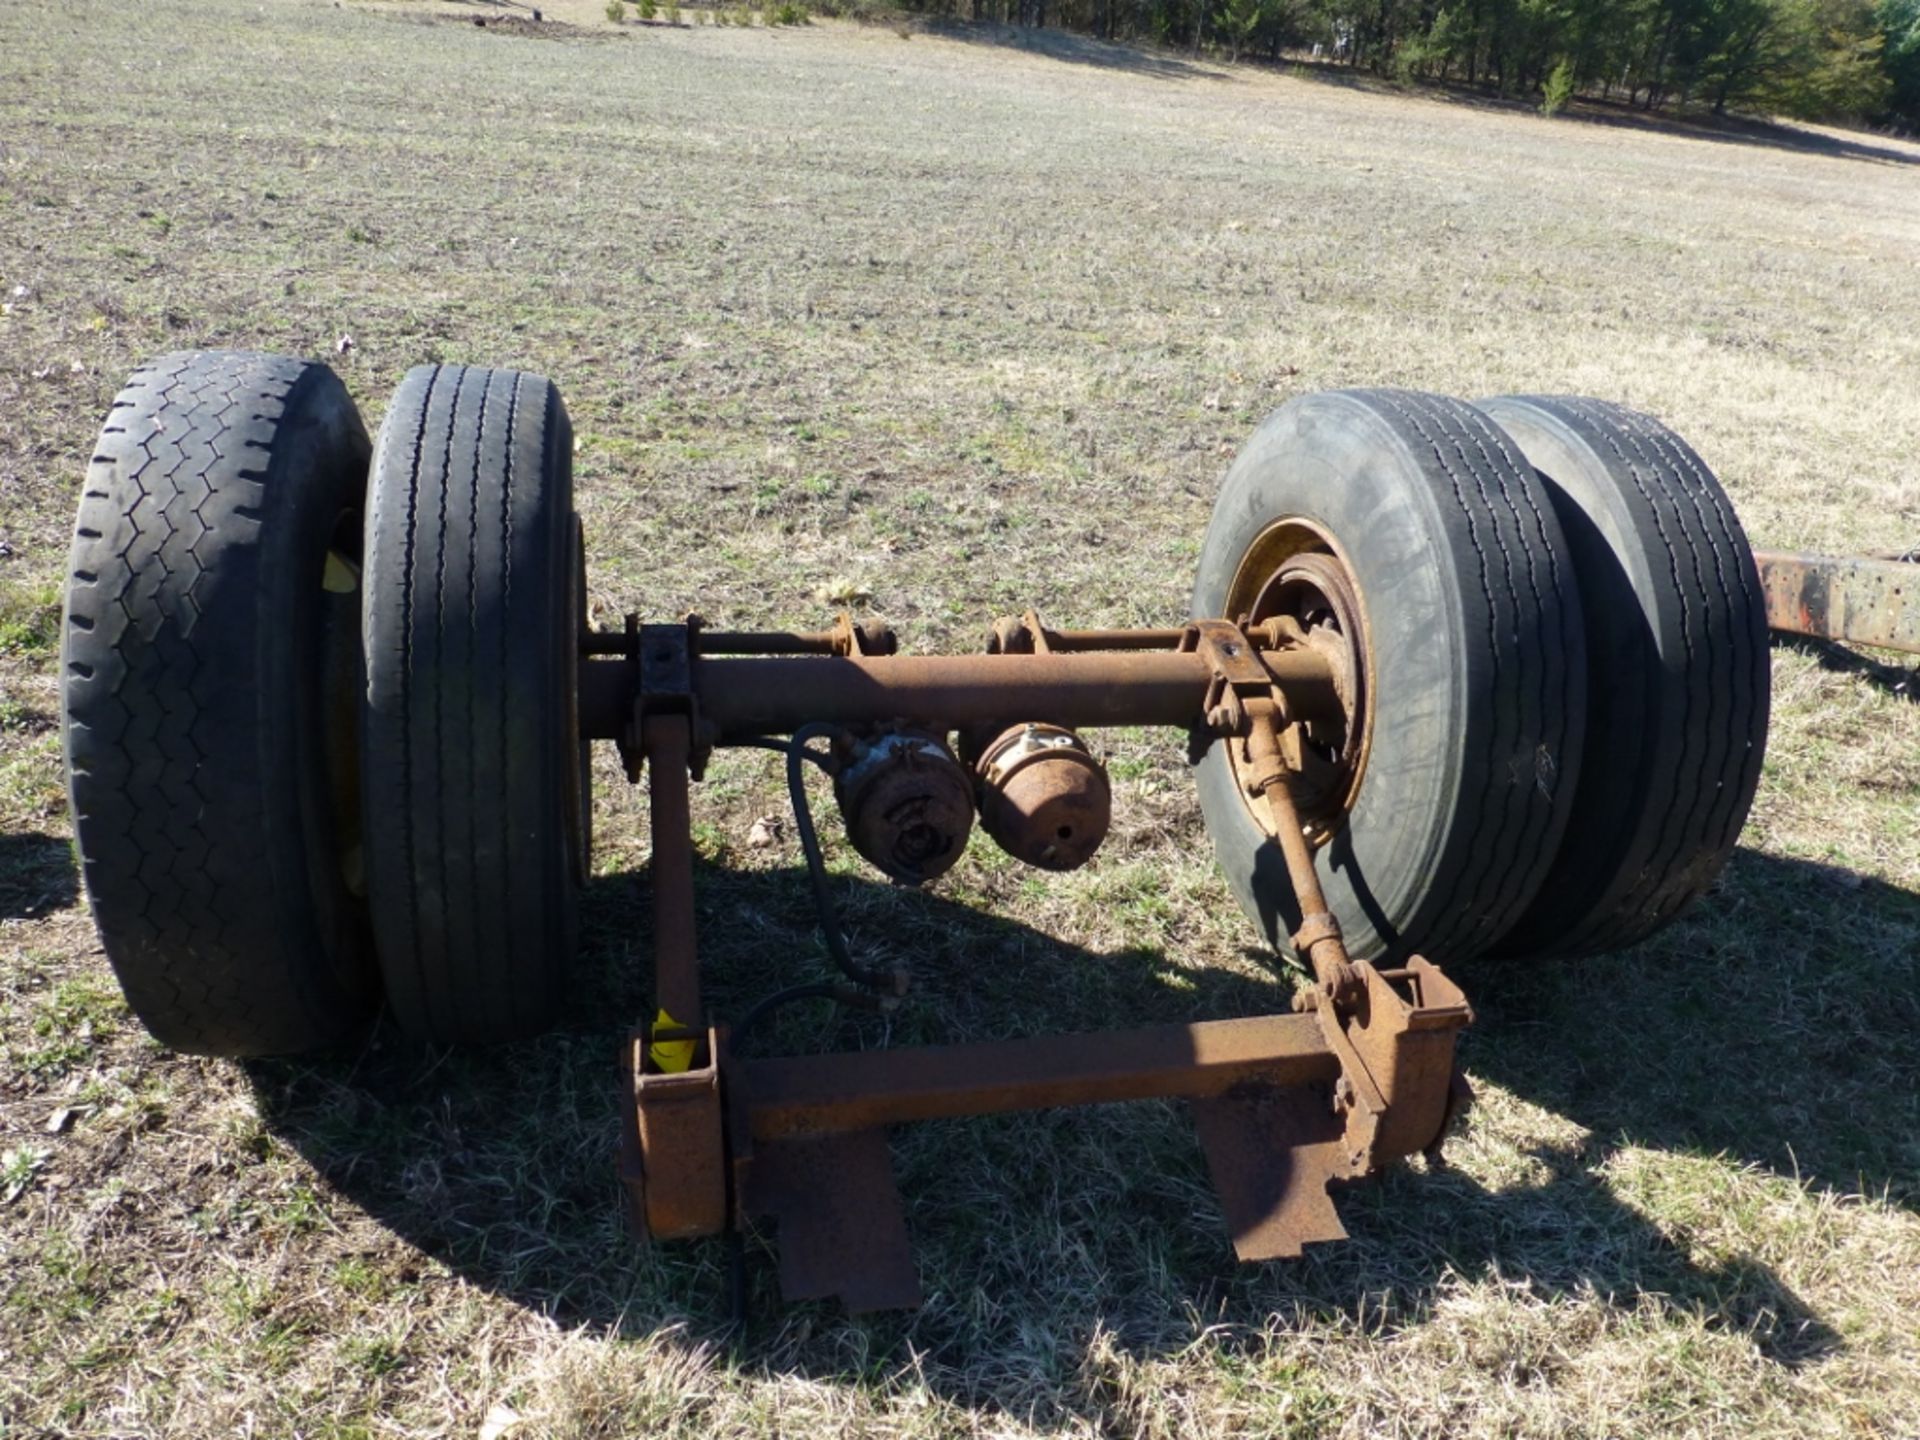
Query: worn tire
{"x": 471, "y": 754}
{"x": 1677, "y": 642}
{"x": 195, "y": 663}
{"x": 1475, "y": 669}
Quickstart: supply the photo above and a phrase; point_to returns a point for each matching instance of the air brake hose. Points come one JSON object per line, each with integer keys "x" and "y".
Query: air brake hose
{"x": 887, "y": 982}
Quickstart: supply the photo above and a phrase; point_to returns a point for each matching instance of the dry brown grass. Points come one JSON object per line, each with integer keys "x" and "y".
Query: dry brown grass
{"x": 965, "y": 328}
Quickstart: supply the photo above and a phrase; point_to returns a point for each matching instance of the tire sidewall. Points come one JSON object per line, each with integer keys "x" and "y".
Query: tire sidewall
{"x": 324, "y": 452}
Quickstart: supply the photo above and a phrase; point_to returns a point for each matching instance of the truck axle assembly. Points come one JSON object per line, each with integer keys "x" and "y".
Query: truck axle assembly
{"x": 1457, "y": 683}
{"x": 1284, "y": 1103}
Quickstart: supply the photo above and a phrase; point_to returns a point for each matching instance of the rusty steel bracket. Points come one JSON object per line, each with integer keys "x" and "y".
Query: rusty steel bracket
{"x": 665, "y": 657}
{"x": 1023, "y": 634}
{"x": 1240, "y": 684}
{"x": 831, "y": 1194}
{"x": 842, "y": 1225}
{"x": 1398, "y": 1089}
{"x": 673, "y": 1159}
{"x": 1272, "y": 1151}
{"x": 1863, "y": 601}
{"x": 850, "y": 638}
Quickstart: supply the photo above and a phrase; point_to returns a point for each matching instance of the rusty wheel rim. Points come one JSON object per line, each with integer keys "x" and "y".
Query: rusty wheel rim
{"x": 1295, "y": 574}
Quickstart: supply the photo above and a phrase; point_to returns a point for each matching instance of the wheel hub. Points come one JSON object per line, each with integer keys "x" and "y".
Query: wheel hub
{"x": 1295, "y": 582}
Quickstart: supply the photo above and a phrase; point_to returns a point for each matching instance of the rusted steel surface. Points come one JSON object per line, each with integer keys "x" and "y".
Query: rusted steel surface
{"x": 1864, "y": 602}
{"x": 1396, "y": 1057}
{"x": 868, "y": 637}
{"x": 1043, "y": 797}
{"x": 1070, "y": 642}
{"x": 777, "y": 695}
{"x": 743, "y": 696}
{"x": 1270, "y": 1153}
{"x": 1238, "y": 678}
{"x": 674, "y": 1161}
{"x": 676, "y": 967}
{"x": 907, "y": 804}
{"x": 1314, "y": 596}
{"x": 819, "y": 1094}
{"x": 843, "y": 1231}
{"x": 1317, "y": 939}
{"x": 1029, "y": 635}
{"x": 766, "y": 642}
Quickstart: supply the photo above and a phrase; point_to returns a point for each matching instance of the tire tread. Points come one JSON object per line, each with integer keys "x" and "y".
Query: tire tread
{"x": 473, "y": 917}
{"x": 1495, "y": 868}
{"x": 168, "y": 598}
{"x": 1702, "y": 765}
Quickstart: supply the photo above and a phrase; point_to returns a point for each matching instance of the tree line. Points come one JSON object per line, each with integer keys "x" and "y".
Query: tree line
{"x": 1844, "y": 60}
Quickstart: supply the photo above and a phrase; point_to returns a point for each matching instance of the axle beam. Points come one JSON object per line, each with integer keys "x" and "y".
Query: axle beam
{"x": 741, "y": 697}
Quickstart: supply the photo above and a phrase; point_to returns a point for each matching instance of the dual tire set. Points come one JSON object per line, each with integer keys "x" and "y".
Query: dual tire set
{"x": 319, "y": 703}
{"x": 1564, "y": 647}
{"x": 321, "y": 693}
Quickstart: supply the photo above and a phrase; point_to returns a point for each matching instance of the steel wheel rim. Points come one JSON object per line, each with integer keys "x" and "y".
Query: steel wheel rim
{"x": 1294, "y": 573}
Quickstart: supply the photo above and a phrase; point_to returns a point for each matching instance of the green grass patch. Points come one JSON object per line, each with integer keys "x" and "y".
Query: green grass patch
{"x": 29, "y": 620}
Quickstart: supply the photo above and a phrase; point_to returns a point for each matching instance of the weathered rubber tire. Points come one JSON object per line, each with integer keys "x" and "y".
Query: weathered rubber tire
{"x": 1476, "y": 669}
{"x": 194, "y": 663}
{"x": 471, "y": 753}
{"x": 1677, "y": 644}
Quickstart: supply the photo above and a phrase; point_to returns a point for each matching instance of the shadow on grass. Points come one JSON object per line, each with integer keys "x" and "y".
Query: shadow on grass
{"x": 36, "y": 875}
{"x": 1072, "y": 49}
{"x": 1898, "y": 679}
{"x": 1774, "y": 1025}
{"x": 1725, "y": 130}
{"x": 1741, "y": 131}
{"x": 1775, "y": 1022}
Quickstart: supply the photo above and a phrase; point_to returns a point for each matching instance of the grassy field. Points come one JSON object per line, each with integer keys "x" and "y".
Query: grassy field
{"x": 948, "y": 325}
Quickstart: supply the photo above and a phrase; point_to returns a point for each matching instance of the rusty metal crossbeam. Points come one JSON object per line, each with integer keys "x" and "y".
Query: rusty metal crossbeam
{"x": 1861, "y": 601}
{"x": 816, "y": 1094}
{"x": 810, "y": 1135}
